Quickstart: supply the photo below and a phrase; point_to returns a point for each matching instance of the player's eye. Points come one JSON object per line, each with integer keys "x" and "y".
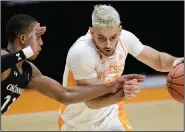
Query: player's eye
{"x": 113, "y": 37}
{"x": 101, "y": 38}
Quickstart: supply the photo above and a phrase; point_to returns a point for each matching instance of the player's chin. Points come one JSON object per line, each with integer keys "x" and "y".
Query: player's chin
{"x": 34, "y": 57}
{"x": 108, "y": 53}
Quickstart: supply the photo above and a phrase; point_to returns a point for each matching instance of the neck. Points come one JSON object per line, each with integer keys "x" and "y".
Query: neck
{"x": 13, "y": 47}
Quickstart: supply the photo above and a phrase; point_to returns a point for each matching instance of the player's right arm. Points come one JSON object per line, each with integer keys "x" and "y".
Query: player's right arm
{"x": 9, "y": 60}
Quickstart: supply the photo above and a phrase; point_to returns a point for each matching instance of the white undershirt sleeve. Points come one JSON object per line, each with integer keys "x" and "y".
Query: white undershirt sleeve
{"x": 133, "y": 44}
{"x": 82, "y": 62}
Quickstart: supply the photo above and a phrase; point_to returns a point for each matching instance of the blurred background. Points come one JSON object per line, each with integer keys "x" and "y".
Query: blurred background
{"x": 157, "y": 24}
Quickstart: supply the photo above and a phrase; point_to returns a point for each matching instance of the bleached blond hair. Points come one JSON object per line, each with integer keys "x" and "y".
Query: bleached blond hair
{"x": 105, "y": 16}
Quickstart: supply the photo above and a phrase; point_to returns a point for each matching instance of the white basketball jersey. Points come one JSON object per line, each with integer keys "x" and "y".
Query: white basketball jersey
{"x": 84, "y": 61}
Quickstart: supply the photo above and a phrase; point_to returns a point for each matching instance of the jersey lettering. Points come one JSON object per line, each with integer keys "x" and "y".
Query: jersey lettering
{"x": 14, "y": 88}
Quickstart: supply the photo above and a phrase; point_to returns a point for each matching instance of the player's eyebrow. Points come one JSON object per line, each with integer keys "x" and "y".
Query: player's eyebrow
{"x": 114, "y": 35}
{"x": 99, "y": 35}
{"x": 105, "y": 37}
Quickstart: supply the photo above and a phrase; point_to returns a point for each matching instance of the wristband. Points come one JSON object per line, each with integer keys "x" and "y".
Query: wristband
{"x": 28, "y": 52}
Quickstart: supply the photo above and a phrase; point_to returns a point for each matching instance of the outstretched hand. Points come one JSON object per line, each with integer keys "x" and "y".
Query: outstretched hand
{"x": 35, "y": 35}
{"x": 131, "y": 84}
{"x": 178, "y": 61}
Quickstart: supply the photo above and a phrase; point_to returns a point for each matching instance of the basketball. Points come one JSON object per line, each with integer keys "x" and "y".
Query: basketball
{"x": 175, "y": 83}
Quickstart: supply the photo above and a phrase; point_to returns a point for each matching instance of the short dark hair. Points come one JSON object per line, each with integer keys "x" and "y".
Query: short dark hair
{"x": 18, "y": 24}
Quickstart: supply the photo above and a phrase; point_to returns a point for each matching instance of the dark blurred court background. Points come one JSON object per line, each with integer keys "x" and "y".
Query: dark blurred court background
{"x": 157, "y": 24}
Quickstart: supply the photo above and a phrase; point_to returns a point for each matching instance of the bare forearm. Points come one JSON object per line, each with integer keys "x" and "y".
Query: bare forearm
{"x": 166, "y": 62}
{"x": 53, "y": 89}
{"x": 85, "y": 93}
{"x": 106, "y": 100}
{"x": 159, "y": 61}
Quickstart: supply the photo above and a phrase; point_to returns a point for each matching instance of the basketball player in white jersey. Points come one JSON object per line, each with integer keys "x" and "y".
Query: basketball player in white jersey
{"x": 97, "y": 58}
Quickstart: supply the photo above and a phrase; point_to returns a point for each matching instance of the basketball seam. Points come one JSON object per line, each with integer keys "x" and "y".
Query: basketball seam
{"x": 175, "y": 91}
{"x": 176, "y": 70}
{"x": 170, "y": 91}
{"x": 170, "y": 88}
{"x": 176, "y": 77}
{"x": 175, "y": 84}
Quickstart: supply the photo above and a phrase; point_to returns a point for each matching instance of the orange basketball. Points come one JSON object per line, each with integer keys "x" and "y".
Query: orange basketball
{"x": 175, "y": 82}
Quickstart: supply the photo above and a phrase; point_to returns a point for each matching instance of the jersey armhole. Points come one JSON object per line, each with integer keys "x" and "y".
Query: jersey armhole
{"x": 28, "y": 65}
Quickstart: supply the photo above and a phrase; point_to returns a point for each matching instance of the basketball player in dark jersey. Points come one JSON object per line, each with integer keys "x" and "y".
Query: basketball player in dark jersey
{"x": 17, "y": 74}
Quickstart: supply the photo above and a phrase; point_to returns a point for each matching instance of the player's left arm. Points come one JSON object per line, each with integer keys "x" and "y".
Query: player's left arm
{"x": 157, "y": 60}
{"x": 56, "y": 91}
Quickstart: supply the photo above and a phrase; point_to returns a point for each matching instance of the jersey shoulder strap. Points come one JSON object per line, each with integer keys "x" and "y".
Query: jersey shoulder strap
{"x": 27, "y": 68}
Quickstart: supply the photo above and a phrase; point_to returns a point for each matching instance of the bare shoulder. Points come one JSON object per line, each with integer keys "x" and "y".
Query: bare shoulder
{"x": 6, "y": 73}
{"x": 4, "y": 52}
{"x": 35, "y": 70}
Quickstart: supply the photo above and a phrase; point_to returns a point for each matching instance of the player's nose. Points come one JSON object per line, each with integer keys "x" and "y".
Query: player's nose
{"x": 108, "y": 44}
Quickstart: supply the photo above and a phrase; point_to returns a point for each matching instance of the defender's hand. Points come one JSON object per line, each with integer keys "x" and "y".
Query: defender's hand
{"x": 120, "y": 82}
{"x": 131, "y": 88}
{"x": 34, "y": 36}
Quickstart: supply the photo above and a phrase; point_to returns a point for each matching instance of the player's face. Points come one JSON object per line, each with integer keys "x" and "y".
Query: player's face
{"x": 39, "y": 44}
{"x": 106, "y": 39}
{"x": 38, "y": 41}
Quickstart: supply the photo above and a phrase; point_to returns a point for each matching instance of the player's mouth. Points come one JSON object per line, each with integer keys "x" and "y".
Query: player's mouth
{"x": 108, "y": 50}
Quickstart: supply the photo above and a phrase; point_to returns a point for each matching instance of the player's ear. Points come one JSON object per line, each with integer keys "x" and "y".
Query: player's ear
{"x": 23, "y": 39}
{"x": 91, "y": 30}
{"x": 120, "y": 29}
